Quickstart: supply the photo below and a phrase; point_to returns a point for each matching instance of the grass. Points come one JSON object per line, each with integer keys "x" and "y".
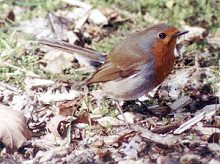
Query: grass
{"x": 194, "y": 12}
{"x": 32, "y": 8}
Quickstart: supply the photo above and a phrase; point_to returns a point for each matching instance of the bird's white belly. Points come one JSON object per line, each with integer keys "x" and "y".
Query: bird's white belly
{"x": 131, "y": 87}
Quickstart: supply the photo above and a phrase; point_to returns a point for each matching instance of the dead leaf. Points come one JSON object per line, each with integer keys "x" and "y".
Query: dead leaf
{"x": 194, "y": 34}
{"x": 167, "y": 128}
{"x": 84, "y": 118}
{"x": 10, "y": 17}
{"x": 190, "y": 158}
{"x": 133, "y": 147}
{"x": 38, "y": 27}
{"x": 80, "y": 15}
{"x": 68, "y": 108}
{"x": 215, "y": 148}
{"x": 58, "y": 126}
{"x": 210, "y": 111}
{"x": 51, "y": 97}
{"x": 214, "y": 138}
{"x": 13, "y": 129}
{"x": 206, "y": 131}
{"x": 172, "y": 87}
{"x": 180, "y": 103}
{"x": 51, "y": 155}
{"x": 125, "y": 137}
{"x": 98, "y": 143}
{"x": 97, "y": 18}
{"x": 32, "y": 83}
{"x": 106, "y": 121}
{"x": 58, "y": 25}
{"x": 56, "y": 61}
{"x": 214, "y": 41}
{"x": 105, "y": 156}
{"x": 130, "y": 117}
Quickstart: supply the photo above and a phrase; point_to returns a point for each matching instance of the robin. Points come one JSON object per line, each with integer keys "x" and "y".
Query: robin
{"x": 136, "y": 65}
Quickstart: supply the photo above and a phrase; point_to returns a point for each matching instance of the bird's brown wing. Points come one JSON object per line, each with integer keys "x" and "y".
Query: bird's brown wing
{"x": 125, "y": 59}
{"x": 109, "y": 72}
{"x": 117, "y": 67}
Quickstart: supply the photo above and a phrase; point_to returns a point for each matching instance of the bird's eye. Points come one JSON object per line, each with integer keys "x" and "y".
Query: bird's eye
{"x": 162, "y": 35}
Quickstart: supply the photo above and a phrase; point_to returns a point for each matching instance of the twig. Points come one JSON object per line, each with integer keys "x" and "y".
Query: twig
{"x": 168, "y": 140}
{"x": 188, "y": 124}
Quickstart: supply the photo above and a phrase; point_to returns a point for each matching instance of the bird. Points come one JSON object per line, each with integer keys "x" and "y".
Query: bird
{"x": 135, "y": 65}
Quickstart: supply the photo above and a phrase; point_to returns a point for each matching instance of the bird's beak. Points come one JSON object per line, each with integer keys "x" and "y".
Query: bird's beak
{"x": 180, "y": 33}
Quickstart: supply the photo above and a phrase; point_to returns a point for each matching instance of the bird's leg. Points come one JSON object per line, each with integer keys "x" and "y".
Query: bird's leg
{"x": 121, "y": 112}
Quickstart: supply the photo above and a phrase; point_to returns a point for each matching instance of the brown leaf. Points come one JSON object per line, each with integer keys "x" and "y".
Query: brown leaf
{"x": 56, "y": 61}
{"x": 125, "y": 137}
{"x": 58, "y": 126}
{"x": 68, "y": 108}
{"x": 105, "y": 156}
{"x": 13, "y": 129}
{"x": 167, "y": 128}
{"x": 214, "y": 138}
{"x": 10, "y": 17}
{"x": 58, "y": 24}
{"x": 84, "y": 118}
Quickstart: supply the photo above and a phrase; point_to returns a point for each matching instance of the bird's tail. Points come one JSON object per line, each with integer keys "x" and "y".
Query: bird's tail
{"x": 69, "y": 48}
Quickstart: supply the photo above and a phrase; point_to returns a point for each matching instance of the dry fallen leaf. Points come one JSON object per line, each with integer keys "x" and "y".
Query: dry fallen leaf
{"x": 56, "y": 61}
{"x": 68, "y": 108}
{"x": 84, "y": 117}
{"x": 129, "y": 116}
{"x": 10, "y": 16}
{"x": 206, "y": 131}
{"x": 190, "y": 158}
{"x": 52, "y": 97}
{"x": 97, "y": 17}
{"x": 194, "y": 34}
{"x": 58, "y": 25}
{"x": 214, "y": 41}
{"x": 58, "y": 126}
{"x": 172, "y": 86}
{"x": 132, "y": 147}
{"x": 13, "y": 129}
{"x": 106, "y": 121}
{"x": 180, "y": 103}
{"x": 38, "y": 27}
{"x": 32, "y": 83}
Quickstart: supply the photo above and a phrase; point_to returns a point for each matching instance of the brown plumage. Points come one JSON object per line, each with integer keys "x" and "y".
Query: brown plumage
{"x": 135, "y": 65}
